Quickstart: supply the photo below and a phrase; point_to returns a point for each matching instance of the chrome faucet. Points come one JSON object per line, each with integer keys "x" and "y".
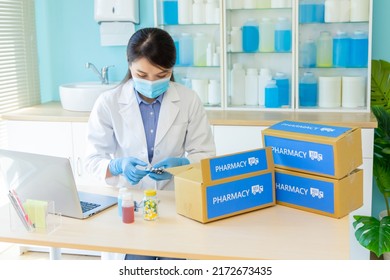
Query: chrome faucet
{"x": 103, "y": 74}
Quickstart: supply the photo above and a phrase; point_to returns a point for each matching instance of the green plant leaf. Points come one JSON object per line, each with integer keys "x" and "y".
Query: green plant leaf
{"x": 373, "y": 234}
{"x": 380, "y": 83}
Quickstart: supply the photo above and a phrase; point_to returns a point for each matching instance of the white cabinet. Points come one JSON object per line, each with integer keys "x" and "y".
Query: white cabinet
{"x": 63, "y": 139}
{"x": 334, "y": 45}
{"x": 272, "y": 38}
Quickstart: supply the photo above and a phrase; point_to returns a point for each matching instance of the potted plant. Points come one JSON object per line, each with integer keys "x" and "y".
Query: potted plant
{"x": 372, "y": 233}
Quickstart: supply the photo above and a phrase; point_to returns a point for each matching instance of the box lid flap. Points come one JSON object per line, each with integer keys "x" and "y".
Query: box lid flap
{"x": 314, "y": 129}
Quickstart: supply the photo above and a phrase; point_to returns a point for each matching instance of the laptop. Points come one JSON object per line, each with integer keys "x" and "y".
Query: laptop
{"x": 50, "y": 178}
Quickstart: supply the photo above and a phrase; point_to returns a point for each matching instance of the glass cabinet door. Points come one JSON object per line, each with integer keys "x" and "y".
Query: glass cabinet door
{"x": 196, "y": 29}
{"x": 334, "y": 55}
{"x": 259, "y": 39}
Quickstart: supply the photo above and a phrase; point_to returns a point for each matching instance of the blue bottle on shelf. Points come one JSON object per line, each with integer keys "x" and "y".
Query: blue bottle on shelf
{"x": 250, "y": 36}
{"x": 283, "y": 35}
{"x": 308, "y": 90}
{"x": 341, "y": 49}
{"x": 271, "y": 94}
{"x": 283, "y": 85}
{"x": 359, "y": 49}
{"x": 311, "y": 11}
{"x": 176, "y": 41}
{"x": 308, "y": 54}
{"x": 170, "y": 12}
{"x": 186, "y": 50}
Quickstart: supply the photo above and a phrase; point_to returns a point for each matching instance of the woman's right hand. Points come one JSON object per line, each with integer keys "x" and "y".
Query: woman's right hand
{"x": 127, "y": 167}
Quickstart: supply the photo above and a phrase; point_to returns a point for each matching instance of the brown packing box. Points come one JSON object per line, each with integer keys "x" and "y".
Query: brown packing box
{"x": 225, "y": 186}
{"x": 326, "y": 196}
{"x": 324, "y": 150}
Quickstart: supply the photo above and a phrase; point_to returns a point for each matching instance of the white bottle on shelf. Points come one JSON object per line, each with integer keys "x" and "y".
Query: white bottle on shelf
{"x": 251, "y": 87}
{"x": 360, "y": 10}
{"x": 329, "y": 92}
{"x": 200, "y": 86}
{"x": 216, "y": 54}
{"x": 267, "y": 35}
{"x": 264, "y": 77}
{"x": 200, "y": 49}
{"x": 184, "y": 11}
{"x": 236, "y": 39}
{"x": 210, "y": 53}
{"x": 214, "y": 93}
{"x": 211, "y": 7}
{"x": 198, "y": 12}
{"x": 353, "y": 92}
{"x": 250, "y": 4}
{"x": 237, "y": 78}
{"x": 234, "y": 4}
{"x": 263, "y": 4}
{"x": 337, "y": 10}
{"x": 280, "y": 3}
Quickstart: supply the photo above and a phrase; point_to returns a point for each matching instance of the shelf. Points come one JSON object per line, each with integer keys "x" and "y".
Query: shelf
{"x": 258, "y": 9}
{"x": 190, "y": 25}
{"x": 193, "y": 66}
{"x": 229, "y": 52}
{"x": 332, "y": 23}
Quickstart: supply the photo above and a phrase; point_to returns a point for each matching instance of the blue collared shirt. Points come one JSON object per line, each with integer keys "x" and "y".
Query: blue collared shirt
{"x": 150, "y": 113}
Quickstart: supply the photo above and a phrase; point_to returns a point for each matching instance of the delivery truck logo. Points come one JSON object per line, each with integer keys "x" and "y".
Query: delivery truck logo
{"x": 314, "y": 155}
{"x": 253, "y": 161}
{"x": 257, "y": 189}
{"x": 316, "y": 193}
{"x": 327, "y": 129}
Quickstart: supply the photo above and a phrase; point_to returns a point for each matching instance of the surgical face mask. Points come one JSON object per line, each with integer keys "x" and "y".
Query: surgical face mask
{"x": 151, "y": 89}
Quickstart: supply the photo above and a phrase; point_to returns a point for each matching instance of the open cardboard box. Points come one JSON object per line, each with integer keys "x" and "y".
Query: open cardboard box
{"x": 330, "y": 151}
{"x": 225, "y": 186}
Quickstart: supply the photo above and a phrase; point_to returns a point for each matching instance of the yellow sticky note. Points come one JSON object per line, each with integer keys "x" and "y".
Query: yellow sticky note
{"x": 37, "y": 212}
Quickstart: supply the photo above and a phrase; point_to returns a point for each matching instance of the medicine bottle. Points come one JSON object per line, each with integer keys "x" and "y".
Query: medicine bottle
{"x": 127, "y": 208}
{"x": 308, "y": 90}
{"x": 150, "y": 205}
{"x": 121, "y": 192}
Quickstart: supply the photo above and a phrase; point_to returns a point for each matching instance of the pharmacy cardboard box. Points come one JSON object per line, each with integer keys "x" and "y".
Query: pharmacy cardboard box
{"x": 225, "y": 186}
{"x": 326, "y": 196}
{"x": 331, "y": 151}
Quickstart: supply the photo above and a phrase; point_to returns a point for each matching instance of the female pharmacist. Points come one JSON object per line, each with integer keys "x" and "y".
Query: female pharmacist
{"x": 148, "y": 120}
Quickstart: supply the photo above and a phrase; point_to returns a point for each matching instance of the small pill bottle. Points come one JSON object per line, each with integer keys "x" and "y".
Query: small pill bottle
{"x": 127, "y": 208}
{"x": 122, "y": 191}
{"x": 150, "y": 211}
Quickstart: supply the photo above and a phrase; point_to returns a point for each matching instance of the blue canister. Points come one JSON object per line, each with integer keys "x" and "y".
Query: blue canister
{"x": 308, "y": 54}
{"x": 308, "y": 90}
{"x": 176, "y": 41}
{"x": 283, "y": 85}
{"x": 250, "y": 36}
{"x": 341, "y": 49}
{"x": 359, "y": 49}
{"x": 311, "y": 11}
{"x": 186, "y": 50}
{"x": 283, "y": 35}
{"x": 170, "y": 12}
{"x": 271, "y": 95}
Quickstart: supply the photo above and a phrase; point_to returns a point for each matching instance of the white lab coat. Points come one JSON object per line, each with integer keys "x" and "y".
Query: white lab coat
{"x": 115, "y": 129}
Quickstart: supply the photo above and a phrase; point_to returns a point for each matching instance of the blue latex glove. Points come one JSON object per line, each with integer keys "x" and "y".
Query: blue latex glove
{"x": 167, "y": 163}
{"x": 127, "y": 167}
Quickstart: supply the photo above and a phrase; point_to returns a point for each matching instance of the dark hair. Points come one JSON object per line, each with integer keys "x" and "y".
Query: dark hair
{"x": 154, "y": 44}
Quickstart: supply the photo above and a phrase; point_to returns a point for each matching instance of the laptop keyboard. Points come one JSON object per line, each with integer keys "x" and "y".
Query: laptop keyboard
{"x": 87, "y": 206}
